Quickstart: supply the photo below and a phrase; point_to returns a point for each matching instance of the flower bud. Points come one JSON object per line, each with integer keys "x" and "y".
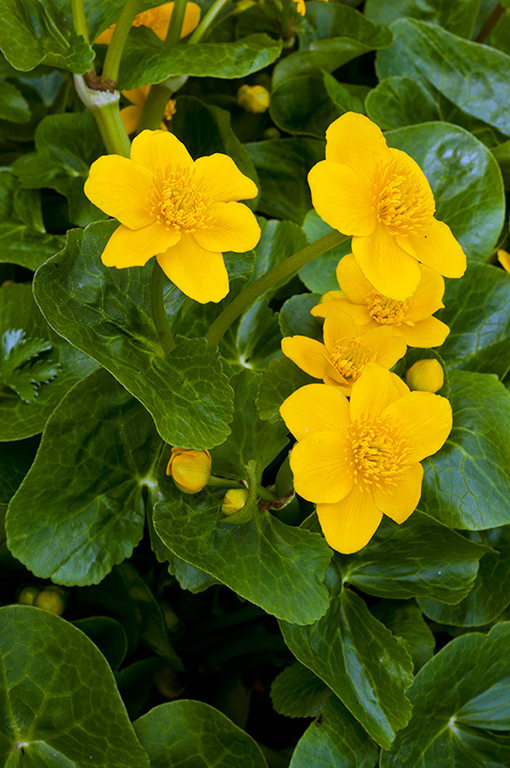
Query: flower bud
{"x": 504, "y": 259}
{"x": 28, "y": 595}
{"x": 51, "y": 599}
{"x": 234, "y": 500}
{"x": 190, "y": 469}
{"x": 253, "y": 98}
{"x": 426, "y": 376}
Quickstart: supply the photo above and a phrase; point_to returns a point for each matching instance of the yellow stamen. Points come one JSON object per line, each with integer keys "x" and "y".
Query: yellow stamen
{"x": 349, "y": 357}
{"x": 387, "y": 311}
{"x": 379, "y": 452}
{"x": 179, "y": 203}
{"x": 400, "y": 200}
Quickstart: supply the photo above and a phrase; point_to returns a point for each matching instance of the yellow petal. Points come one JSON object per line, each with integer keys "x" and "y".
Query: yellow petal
{"x": 131, "y": 117}
{"x": 387, "y": 347}
{"x": 504, "y": 259}
{"x": 358, "y": 312}
{"x": 128, "y": 248}
{"x": 313, "y": 408}
{"x": 399, "y": 501}
{"x": 320, "y": 463}
{"x": 121, "y": 189}
{"x": 235, "y": 228}
{"x": 349, "y": 524}
{"x": 425, "y": 420}
{"x": 438, "y": 249}
{"x": 352, "y": 281}
{"x": 105, "y": 36}
{"x": 191, "y": 19}
{"x": 375, "y": 390}
{"x": 356, "y": 141}
{"x": 221, "y": 180}
{"x": 137, "y": 96}
{"x": 338, "y": 325}
{"x": 198, "y": 273}
{"x": 342, "y": 199}
{"x": 430, "y": 332}
{"x": 428, "y": 297}
{"x": 159, "y": 150}
{"x": 391, "y": 270}
{"x": 310, "y": 355}
{"x": 163, "y": 13}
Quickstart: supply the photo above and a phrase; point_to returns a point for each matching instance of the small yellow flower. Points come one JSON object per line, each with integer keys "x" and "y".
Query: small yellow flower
{"x": 412, "y": 319}
{"x": 131, "y": 115}
{"x": 184, "y": 212}
{"x": 504, "y": 259}
{"x": 190, "y": 469}
{"x": 381, "y": 197}
{"x": 301, "y": 7}
{"x": 359, "y": 459}
{"x": 426, "y": 376}
{"x": 158, "y": 19}
{"x": 253, "y": 98}
{"x": 345, "y": 352}
{"x": 234, "y": 500}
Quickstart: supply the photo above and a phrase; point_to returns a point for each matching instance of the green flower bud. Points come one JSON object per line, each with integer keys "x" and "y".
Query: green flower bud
{"x": 28, "y": 595}
{"x": 51, "y": 599}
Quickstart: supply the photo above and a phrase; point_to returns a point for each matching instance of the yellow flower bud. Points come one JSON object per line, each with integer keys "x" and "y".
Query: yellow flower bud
{"x": 51, "y": 599}
{"x": 425, "y": 376}
{"x": 253, "y": 98}
{"x": 234, "y": 500}
{"x": 28, "y": 595}
{"x": 190, "y": 469}
{"x": 504, "y": 259}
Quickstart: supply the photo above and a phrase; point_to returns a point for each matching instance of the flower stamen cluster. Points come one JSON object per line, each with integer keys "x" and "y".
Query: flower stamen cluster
{"x": 177, "y": 202}
{"x": 379, "y": 452}
{"x": 399, "y": 200}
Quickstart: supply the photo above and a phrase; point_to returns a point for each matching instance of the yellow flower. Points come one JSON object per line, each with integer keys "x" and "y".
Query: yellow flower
{"x": 190, "y": 469}
{"x": 504, "y": 259}
{"x": 158, "y": 19}
{"x": 253, "y": 98}
{"x": 412, "y": 319}
{"x": 359, "y": 459}
{"x": 381, "y": 197}
{"x": 301, "y": 7}
{"x": 180, "y": 210}
{"x": 234, "y": 500}
{"x": 345, "y": 352}
{"x": 131, "y": 115}
{"x": 425, "y": 376}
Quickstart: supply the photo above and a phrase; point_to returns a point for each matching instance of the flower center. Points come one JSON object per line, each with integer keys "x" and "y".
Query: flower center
{"x": 401, "y": 200}
{"x": 387, "y": 311}
{"x": 177, "y": 202}
{"x": 349, "y": 358}
{"x": 379, "y": 451}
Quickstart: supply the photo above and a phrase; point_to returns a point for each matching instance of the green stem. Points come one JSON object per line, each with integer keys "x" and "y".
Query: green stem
{"x": 154, "y": 108}
{"x": 79, "y": 19}
{"x": 265, "y": 494}
{"x": 174, "y": 30}
{"x": 253, "y": 291}
{"x": 223, "y": 482}
{"x": 206, "y": 22}
{"x": 158, "y": 309}
{"x": 112, "y": 129}
{"x": 119, "y": 37}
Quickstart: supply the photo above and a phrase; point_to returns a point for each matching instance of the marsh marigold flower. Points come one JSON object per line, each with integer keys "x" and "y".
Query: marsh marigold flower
{"x": 381, "y": 197}
{"x": 253, "y": 98}
{"x": 345, "y": 352}
{"x": 190, "y": 469}
{"x": 158, "y": 19}
{"x": 182, "y": 211}
{"x": 359, "y": 459}
{"x": 132, "y": 114}
{"x": 425, "y": 376}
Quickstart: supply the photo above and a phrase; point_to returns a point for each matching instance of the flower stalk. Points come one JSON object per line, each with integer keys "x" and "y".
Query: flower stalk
{"x": 159, "y": 315}
{"x": 207, "y": 20}
{"x": 118, "y": 41}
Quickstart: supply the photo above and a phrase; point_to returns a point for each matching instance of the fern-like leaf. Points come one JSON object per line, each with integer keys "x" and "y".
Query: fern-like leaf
{"x": 16, "y": 370}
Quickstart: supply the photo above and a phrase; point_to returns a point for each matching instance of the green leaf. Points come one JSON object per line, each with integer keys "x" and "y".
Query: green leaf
{"x": 319, "y": 275}
{"x": 273, "y": 565}
{"x": 189, "y": 734}
{"x": 421, "y": 557}
{"x": 66, "y": 146}
{"x": 108, "y": 635}
{"x": 489, "y": 596}
{"x": 465, "y": 179}
{"x": 471, "y": 76}
{"x": 298, "y": 692}
{"x": 280, "y": 380}
{"x": 13, "y": 105}
{"x": 107, "y": 313}
{"x": 23, "y": 327}
{"x": 406, "y": 621}
{"x": 15, "y": 460}
{"x": 334, "y": 740}
{"x": 60, "y": 703}
{"x": 146, "y": 60}
{"x": 460, "y": 691}
{"x": 37, "y": 32}
{"x": 23, "y": 237}
{"x": 93, "y": 517}
{"x": 466, "y": 485}
{"x": 295, "y": 317}
{"x": 366, "y": 667}
{"x": 302, "y": 105}
{"x": 476, "y": 311}
{"x": 189, "y": 577}
{"x": 458, "y": 17}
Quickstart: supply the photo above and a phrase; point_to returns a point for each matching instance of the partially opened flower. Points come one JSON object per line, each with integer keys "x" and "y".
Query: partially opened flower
{"x": 182, "y": 211}
{"x": 190, "y": 469}
{"x": 345, "y": 352}
{"x": 359, "y": 459}
{"x": 158, "y": 19}
{"x": 132, "y": 114}
{"x": 381, "y": 197}
{"x": 411, "y": 319}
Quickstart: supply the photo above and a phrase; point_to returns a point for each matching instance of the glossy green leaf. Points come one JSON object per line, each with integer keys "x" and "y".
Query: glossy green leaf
{"x": 458, "y": 17}
{"x": 189, "y": 576}
{"x": 465, "y": 179}
{"x": 35, "y": 32}
{"x": 93, "y": 517}
{"x": 22, "y": 322}
{"x": 302, "y": 105}
{"x": 405, "y": 620}
{"x": 147, "y": 60}
{"x": 347, "y": 97}
{"x": 104, "y": 311}
{"x": 280, "y": 380}
{"x": 335, "y": 740}
{"x": 13, "y": 105}
{"x": 295, "y": 318}
{"x": 419, "y": 557}
{"x": 15, "y": 460}
{"x": 190, "y": 734}
{"x": 66, "y": 145}
{"x": 60, "y": 703}
{"x": 490, "y": 595}
{"x": 459, "y": 692}
{"x": 364, "y": 664}
{"x": 298, "y": 692}
{"x": 466, "y": 484}
{"x": 108, "y": 635}
{"x": 319, "y": 275}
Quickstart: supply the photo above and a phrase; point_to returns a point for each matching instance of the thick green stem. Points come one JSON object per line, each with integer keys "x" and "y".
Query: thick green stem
{"x": 112, "y": 129}
{"x": 238, "y": 305}
{"x": 206, "y": 22}
{"x": 154, "y": 108}
{"x": 223, "y": 482}
{"x": 79, "y": 19}
{"x": 158, "y": 309}
{"x": 174, "y": 30}
{"x": 118, "y": 41}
